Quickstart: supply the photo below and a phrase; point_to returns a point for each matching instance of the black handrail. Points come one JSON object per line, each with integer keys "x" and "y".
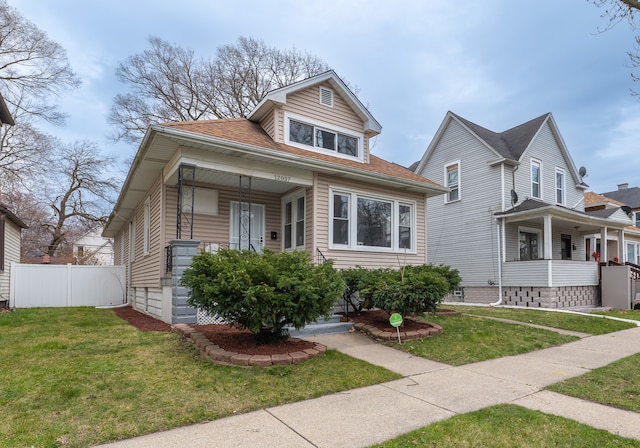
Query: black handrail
{"x": 320, "y": 258}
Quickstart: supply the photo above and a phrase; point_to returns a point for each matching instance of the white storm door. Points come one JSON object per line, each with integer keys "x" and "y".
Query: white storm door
{"x": 247, "y": 230}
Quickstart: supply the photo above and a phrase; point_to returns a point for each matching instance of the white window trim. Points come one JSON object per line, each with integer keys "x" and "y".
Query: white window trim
{"x": 353, "y": 222}
{"x": 537, "y": 162}
{"x": 564, "y": 189}
{"x": 326, "y": 127}
{"x": 540, "y": 240}
{"x": 293, "y": 198}
{"x": 132, "y": 240}
{"x": 147, "y": 227}
{"x": 446, "y": 182}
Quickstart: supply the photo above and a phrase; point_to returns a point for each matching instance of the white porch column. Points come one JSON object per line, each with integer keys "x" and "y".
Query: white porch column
{"x": 621, "y": 246}
{"x": 548, "y": 253}
{"x": 604, "y": 256}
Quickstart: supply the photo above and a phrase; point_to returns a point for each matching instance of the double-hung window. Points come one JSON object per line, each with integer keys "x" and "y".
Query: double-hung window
{"x": 559, "y": 186}
{"x": 361, "y": 221}
{"x": 452, "y": 181}
{"x": 536, "y": 168}
{"x": 293, "y": 219}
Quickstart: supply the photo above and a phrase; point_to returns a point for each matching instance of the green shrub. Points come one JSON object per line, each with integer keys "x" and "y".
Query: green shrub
{"x": 263, "y": 292}
{"x": 410, "y": 290}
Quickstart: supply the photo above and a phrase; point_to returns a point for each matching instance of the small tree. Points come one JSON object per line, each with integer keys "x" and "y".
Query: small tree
{"x": 356, "y": 279}
{"x": 263, "y": 292}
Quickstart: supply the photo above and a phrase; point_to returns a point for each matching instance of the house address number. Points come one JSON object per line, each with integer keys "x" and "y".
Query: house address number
{"x": 281, "y": 178}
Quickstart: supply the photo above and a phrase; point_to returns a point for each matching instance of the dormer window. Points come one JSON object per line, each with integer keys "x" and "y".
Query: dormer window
{"x": 323, "y": 138}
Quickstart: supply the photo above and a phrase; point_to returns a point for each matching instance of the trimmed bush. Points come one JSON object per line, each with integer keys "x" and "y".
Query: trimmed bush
{"x": 410, "y": 290}
{"x": 263, "y": 292}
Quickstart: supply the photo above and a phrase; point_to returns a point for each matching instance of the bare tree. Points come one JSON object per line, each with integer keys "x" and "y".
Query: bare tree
{"x": 83, "y": 194}
{"x": 168, "y": 83}
{"x": 33, "y": 68}
{"x": 617, "y": 11}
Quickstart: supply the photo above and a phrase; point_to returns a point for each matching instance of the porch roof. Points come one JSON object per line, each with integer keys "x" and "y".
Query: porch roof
{"x": 532, "y": 209}
{"x": 246, "y": 140}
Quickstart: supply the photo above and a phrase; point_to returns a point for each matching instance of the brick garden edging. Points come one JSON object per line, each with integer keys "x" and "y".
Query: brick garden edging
{"x": 218, "y": 355}
{"x": 392, "y": 334}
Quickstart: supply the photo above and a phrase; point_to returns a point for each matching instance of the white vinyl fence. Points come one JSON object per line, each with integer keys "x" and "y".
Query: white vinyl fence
{"x": 42, "y": 285}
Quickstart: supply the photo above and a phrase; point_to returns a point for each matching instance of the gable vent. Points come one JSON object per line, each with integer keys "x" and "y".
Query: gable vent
{"x": 326, "y": 97}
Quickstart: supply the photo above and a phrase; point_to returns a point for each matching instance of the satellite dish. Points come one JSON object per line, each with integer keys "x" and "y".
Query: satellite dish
{"x": 626, "y": 209}
{"x": 514, "y": 197}
{"x": 582, "y": 171}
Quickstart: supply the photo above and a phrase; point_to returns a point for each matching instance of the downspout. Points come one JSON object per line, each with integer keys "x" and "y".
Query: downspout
{"x": 499, "y": 231}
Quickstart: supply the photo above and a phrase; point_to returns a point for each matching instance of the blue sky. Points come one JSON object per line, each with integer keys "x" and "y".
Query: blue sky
{"x": 497, "y": 63}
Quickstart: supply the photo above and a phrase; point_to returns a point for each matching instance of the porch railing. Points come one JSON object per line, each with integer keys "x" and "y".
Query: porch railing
{"x": 168, "y": 259}
{"x": 320, "y": 258}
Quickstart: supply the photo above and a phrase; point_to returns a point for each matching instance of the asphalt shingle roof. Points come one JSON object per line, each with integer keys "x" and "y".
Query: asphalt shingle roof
{"x": 511, "y": 143}
{"x": 241, "y": 130}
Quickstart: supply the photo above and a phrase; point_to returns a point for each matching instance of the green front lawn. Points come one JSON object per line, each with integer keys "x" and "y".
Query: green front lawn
{"x": 76, "y": 377}
{"x": 468, "y": 339}
{"x": 566, "y": 321}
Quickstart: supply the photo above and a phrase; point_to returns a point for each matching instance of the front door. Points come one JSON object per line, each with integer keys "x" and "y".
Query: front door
{"x": 247, "y": 231}
{"x": 565, "y": 246}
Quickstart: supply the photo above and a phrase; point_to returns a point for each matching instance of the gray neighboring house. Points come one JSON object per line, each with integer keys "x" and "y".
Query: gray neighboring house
{"x": 514, "y": 223}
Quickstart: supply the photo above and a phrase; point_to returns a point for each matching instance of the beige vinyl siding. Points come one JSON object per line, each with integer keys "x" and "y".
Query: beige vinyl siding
{"x": 216, "y": 229}
{"x": 307, "y": 103}
{"x": 463, "y": 234}
{"x": 146, "y": 269}
{"x": 344, "y": 258}
{"x": 11, "y": 255}
{"x": 269, "y": 125}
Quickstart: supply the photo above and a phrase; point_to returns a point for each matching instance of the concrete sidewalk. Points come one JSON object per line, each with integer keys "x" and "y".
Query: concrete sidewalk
{"x": 428, "y": 392}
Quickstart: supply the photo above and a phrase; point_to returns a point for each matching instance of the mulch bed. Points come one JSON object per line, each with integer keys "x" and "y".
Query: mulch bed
{"x": 239, "y": 341}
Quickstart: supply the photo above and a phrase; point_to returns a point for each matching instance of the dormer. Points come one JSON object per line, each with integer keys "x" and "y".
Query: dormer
{"x": 319, "y": 114}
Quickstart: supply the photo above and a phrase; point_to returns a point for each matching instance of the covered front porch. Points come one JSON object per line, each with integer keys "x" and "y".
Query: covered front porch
{"x": 549, "y": 255}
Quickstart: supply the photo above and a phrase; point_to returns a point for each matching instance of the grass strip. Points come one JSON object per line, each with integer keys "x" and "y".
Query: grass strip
{"x": 509, "y": 426}
{"x": 616, "y": 384}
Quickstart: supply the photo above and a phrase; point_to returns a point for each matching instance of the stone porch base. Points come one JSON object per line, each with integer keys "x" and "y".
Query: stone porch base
{"x": 534, "y": 296}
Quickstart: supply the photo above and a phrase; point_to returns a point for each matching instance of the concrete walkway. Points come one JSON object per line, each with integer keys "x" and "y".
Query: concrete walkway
{"x": 428, "y": 392}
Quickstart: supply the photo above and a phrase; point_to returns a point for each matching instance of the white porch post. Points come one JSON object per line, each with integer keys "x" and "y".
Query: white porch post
{"x": 621, "y": 246}
{"x": 604, "y": 256}
{"x": 548, "y": 252}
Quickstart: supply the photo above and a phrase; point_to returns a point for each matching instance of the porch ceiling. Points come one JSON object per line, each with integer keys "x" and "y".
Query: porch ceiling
{"x": 225, "y": 179}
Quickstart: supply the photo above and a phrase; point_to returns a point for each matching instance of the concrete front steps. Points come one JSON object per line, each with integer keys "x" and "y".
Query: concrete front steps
{"x": 322, "y": 326}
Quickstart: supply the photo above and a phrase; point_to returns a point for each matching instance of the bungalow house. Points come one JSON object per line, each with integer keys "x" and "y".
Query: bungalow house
{"x": 10, "y": 229}
{"x": 513, "y": 222}
{"x": 296, "y": 174}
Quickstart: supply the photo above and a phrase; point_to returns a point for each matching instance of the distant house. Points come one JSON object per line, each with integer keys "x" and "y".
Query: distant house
{"x": 514, "y": 222}
{"x": 600, "y": 205}
{"x": 10, "y": 229}
{"x": 629, "y": 197}
{"x": 93, "y": 249}
{"x": 297, "y": 174}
